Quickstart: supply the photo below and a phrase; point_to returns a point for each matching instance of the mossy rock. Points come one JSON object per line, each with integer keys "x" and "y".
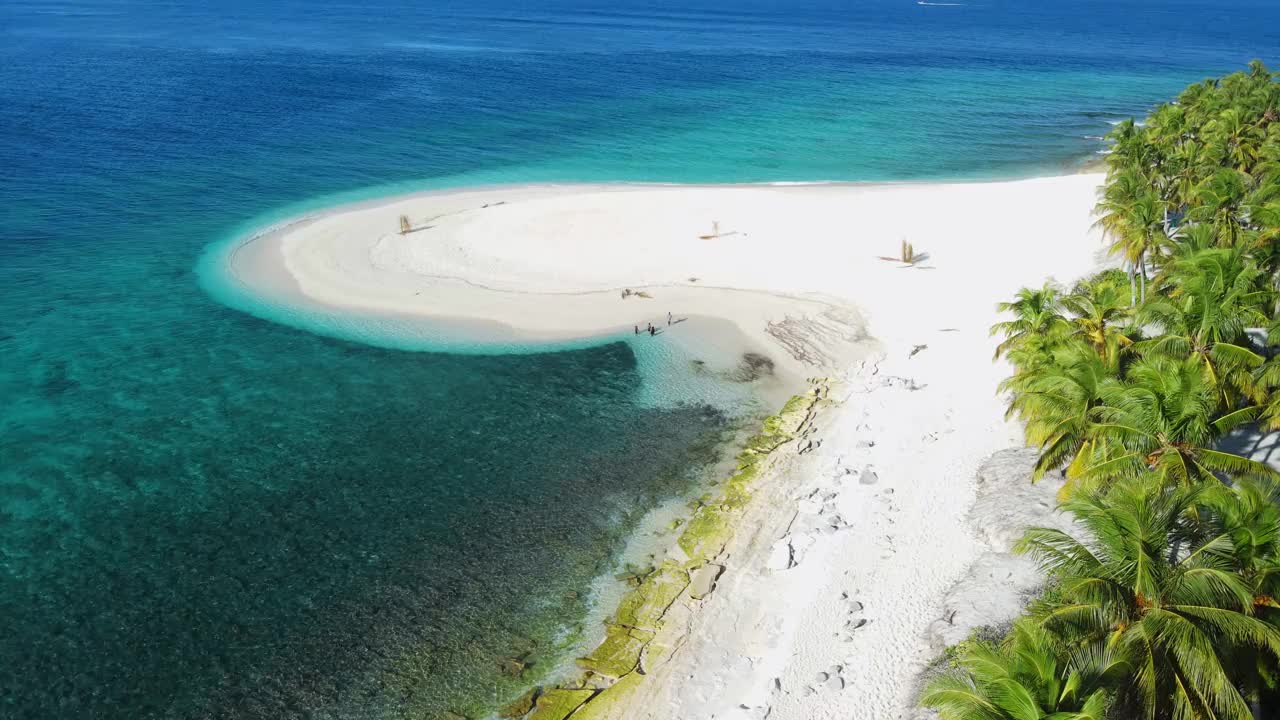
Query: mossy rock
{"x": 787, "y": 422}
{"x": 644, "y": 606}
{"x": 609, "y": 701}
{"x": 519, "y": 707}
{"x": 779, "y": 429}
{"x": 559, "y": 703}
{"x": 761, "y": 444}
{"x": 706, "y": 533}
{"x": 619, "y": 654}
{"x": 710, "y": 528}
{"x": 737, "y": 492}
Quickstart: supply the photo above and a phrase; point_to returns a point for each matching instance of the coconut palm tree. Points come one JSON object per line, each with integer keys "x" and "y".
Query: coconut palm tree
{"x": 1258, "y": 71}
{"x": 1248, "y": 514}
{"x": 1129, "y": 148}
{"x": 1219, "y": 200}
{"x": 1267, "y": 382}
{"x": 1200, "y": 100}
{"x": 1133, "y": 215}
{"x": 1213, "y": 297}
{"x": 1269, "y": 153}
{"x": 1141, "y": 579}
{"x": 1188, "y": 165}
{"x": 1236, "y": 137}
{"x": 1163, "y": 419}
{"x": 1261, "y": 216}
{"x": 1261, "y": 208}
{"x": 1026, "y": 677}
{"x": 1099, "y": 315}
{"x": 1167, "y": 126}
{"x": 1187, "y": 242}
{"x": 1037, "y": 325}
{"x": 1056, "y": 399}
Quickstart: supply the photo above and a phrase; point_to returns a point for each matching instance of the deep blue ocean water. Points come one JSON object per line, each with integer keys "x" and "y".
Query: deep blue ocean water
{"x": 208, "y": 515}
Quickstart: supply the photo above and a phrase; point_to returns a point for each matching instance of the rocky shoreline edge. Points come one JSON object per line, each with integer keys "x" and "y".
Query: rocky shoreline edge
{"x": 635, "y": 643}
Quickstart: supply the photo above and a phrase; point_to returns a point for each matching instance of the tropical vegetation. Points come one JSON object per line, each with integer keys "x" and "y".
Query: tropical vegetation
{"x": 1162, "y": 602}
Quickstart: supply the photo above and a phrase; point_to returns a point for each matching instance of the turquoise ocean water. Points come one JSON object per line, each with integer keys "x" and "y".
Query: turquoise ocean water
{"x": 205, "y": 514}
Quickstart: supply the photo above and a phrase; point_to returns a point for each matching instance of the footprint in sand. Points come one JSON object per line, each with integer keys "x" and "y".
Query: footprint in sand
{"x": 855, "y": 618}
{"x": 832, "y": 679}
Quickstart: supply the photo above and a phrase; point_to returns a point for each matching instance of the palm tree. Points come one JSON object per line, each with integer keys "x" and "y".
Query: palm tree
{"x": 1261, "y": 208}
{"x": 1187, "y": 242}
{"x": 1132, "y": 214}
{"x": 1056, "y": 399}
{"x": 1258, "y": 71}
{"x": 1269, "y": 153}
{"x": 1129, "y": 148}
{"x": 1099, "y": 315}
{"x": 1164, "y": 598}
{"x": 1267, "y": 381}
{"x": 1037, "y": 325}
{"x": 1188, "y": 166}
{"x": 1236, "y": 136}
{"x": 1200, "y": 100}
{"x": 1212, "y": 298}
{"x": 1218, "y": 200}
{"x": 1167, "y": 126}
{"x": 1162, "y": 419}
{"x": 1248, "y": 514}
{"x": 1027, "y": 677}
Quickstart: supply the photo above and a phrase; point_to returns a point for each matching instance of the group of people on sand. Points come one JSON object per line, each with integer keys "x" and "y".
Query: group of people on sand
{"x": 649, "y": 328}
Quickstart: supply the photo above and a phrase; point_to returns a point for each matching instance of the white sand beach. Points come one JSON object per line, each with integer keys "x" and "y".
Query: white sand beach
{"x": 875, "y": 522}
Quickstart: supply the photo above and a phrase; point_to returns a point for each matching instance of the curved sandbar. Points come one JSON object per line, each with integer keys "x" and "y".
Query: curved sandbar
{"x": 551, "y": 262}
{"x": 840, "y": 561}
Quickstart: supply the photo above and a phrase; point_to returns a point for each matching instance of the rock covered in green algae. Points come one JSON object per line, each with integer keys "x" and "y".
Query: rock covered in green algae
{"x": 709, "y": 529}
{"x": 644, "y": 606}
{"x": 640, "y": 612}
{"x": 558, "y": 703}
{"x": 519, "y": 707}
{"x": 788, "y": 420}
{"x": 606, "y": 704}
{"x": 705, "y": 533}
{"x": 763, "y": 444}
{"x": 619, "y": 654}
{"x": 635, "y": 622}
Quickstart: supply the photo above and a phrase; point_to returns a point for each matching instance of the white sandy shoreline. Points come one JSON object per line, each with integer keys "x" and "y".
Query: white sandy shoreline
{"x": 350, "y": 260}
{"x": 796, "y": 270}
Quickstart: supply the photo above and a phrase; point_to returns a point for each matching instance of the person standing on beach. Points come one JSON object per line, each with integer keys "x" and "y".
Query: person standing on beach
{"x": 668, "y": 318}
{"x": 637, "y": 329}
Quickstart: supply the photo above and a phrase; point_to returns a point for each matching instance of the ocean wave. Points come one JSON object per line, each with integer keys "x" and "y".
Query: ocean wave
{"x": 452, "y": 47}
